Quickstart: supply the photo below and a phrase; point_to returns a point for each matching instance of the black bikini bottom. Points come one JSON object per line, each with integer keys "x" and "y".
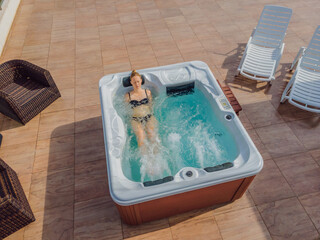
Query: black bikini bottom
{"x": 142, "y": 119}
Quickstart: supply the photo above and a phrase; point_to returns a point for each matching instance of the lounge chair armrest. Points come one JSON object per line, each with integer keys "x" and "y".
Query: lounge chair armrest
{"x": 253, "y": 31}
{"x": 297, "y": 58}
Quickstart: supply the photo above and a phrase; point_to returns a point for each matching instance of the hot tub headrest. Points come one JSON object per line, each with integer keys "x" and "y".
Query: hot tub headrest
{"x": 126, "y": 81}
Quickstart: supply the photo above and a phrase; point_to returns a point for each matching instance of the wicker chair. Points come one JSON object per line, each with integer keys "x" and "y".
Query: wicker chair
{"x": 15, "y": 212}
{"x": 25, "y": 90}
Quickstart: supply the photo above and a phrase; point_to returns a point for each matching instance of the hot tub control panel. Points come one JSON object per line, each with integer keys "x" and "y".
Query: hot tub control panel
{"x": 225, "y": 104}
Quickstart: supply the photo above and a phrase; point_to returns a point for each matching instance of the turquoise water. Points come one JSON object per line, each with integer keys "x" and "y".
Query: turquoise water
{"x": 190, "y": 135}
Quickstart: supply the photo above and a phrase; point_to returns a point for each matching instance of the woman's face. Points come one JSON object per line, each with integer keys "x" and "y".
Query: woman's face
{"x": 136, "y": 81}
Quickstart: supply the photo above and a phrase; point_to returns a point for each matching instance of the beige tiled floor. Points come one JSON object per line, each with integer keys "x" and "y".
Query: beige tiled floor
{"x": 59, "y": 155}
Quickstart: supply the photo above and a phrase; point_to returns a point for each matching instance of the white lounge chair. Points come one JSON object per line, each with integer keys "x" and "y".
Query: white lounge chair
{"x": 303, "y": 89}
{"x": 265, "y": 46}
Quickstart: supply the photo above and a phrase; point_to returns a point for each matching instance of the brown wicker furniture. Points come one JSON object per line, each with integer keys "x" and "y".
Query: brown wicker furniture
{"x": 25, "y": 90}
{"x": 15, "y": 212}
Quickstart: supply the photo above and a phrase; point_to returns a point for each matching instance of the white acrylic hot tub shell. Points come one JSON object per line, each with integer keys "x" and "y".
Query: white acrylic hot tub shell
{"x": 126, "y": 192}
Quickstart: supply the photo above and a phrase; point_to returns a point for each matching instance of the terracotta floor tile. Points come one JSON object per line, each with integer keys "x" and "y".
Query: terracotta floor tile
{"x": 195, "y": 55}
{"x": 35, "y": 37}
{"x": 169, "y": 59}
{"x": 258, "y": 143}
{"x": 310, "y": 203}
{"x": 289, "y": 112}
{"x": 145, "y": 228}
{"x": 162, "y": 234}
{"x": 90, "y": 33}
{"x": 134, "y": 52}
{"x": 182, "y": 32}
{"x": 231, "y": 225}
{"x": 316, "y": 155}
{"x": 203, "y": 213}
{"x": 279, "y": 140}
{"x": 262, "y": 114}
{"x": 155, "y": 26}
{"x": 112, "y": 43}
{"x": 165, "y": 48}
{"x": 54, "y": 154}
{"x": 111, "y": 30}
{"x": 17, "y": 235}
{"x": 62, "y": 52}
{"x": 19, "y": 157}
{"x": 35, "y": 52}
{"x": 56, "y": 124}
{"x": 106, "y": 19}
{"x": 129, "y": 17}
{"x": 270, "y": 185}
{"x": 137, "y": 63}
{"x": 88, "y": 118}
{"x": 174, "y": 21}
{"x": 63, "y": 77}
{"x": 87, "y": 77}
{"x": 89, "y": 146}
{"x": 56, "y": 223}
{"x": 115, "y": 56}
{"x": 245, "y": 121}
{"x": 117, "y": 67}
{"x": 91, "y": 180}
{"x": 189, "y": 45}
{"x": 301, "y": 172}
{"x": 97, "y": 219}
{"x": 137, "y": 39}
{"x": 25, "y": 181}
{"x": 51, "y": 190}
{"x": 62, "y": 5}
{"x": 170, "y": 12}
{"x": 126, "y": 6}
{"x": 85, "y": 48}
{"x": 145, "y": 5}
{"x": 86, "y": 17}
{"x": 286, "y": 219}
{"x": 87, "y": 95}
{"x": 149, "y": 14}
{"x": 244, "y": 202}
{"x": 196, "y": 228}
{"x": 65, "y": 102}
{"x": 307, "y": 131}
{"x": 84, "y": 4}
{"x": 12, "y": 131}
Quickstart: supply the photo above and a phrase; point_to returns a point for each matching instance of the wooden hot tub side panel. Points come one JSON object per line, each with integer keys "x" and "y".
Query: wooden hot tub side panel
{"x": 183, "y": 202}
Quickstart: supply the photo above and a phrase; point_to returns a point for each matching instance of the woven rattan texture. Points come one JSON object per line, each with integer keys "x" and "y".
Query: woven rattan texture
{"x": 27, "y": 88}
{"x": 15, "y": 211}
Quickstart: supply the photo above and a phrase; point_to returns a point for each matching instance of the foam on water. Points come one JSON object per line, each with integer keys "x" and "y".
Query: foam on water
{"x": 189, "y": 135}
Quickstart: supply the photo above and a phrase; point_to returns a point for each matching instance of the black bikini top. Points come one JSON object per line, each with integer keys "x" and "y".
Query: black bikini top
{"x": 136, "y": 103}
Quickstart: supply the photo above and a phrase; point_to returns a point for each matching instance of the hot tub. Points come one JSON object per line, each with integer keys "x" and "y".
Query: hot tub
{"x": 190, "y": 187}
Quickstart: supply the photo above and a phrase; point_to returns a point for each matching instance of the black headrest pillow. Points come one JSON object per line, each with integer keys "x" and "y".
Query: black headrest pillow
{"x": 126, "y": 81}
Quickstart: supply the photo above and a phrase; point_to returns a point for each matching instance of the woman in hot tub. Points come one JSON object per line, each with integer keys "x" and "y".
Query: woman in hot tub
{"x": 143, "y": 121}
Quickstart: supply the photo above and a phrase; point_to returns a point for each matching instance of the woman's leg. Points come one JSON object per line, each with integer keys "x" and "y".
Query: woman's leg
{"x": 152, "y": 132}
{"x": 139, "y": 132}
{"x": 151, "y": 129}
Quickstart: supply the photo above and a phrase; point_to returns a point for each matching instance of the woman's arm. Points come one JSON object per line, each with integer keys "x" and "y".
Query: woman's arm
{"x": 126, "y": 97}
{"x": 149, "y": 94}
